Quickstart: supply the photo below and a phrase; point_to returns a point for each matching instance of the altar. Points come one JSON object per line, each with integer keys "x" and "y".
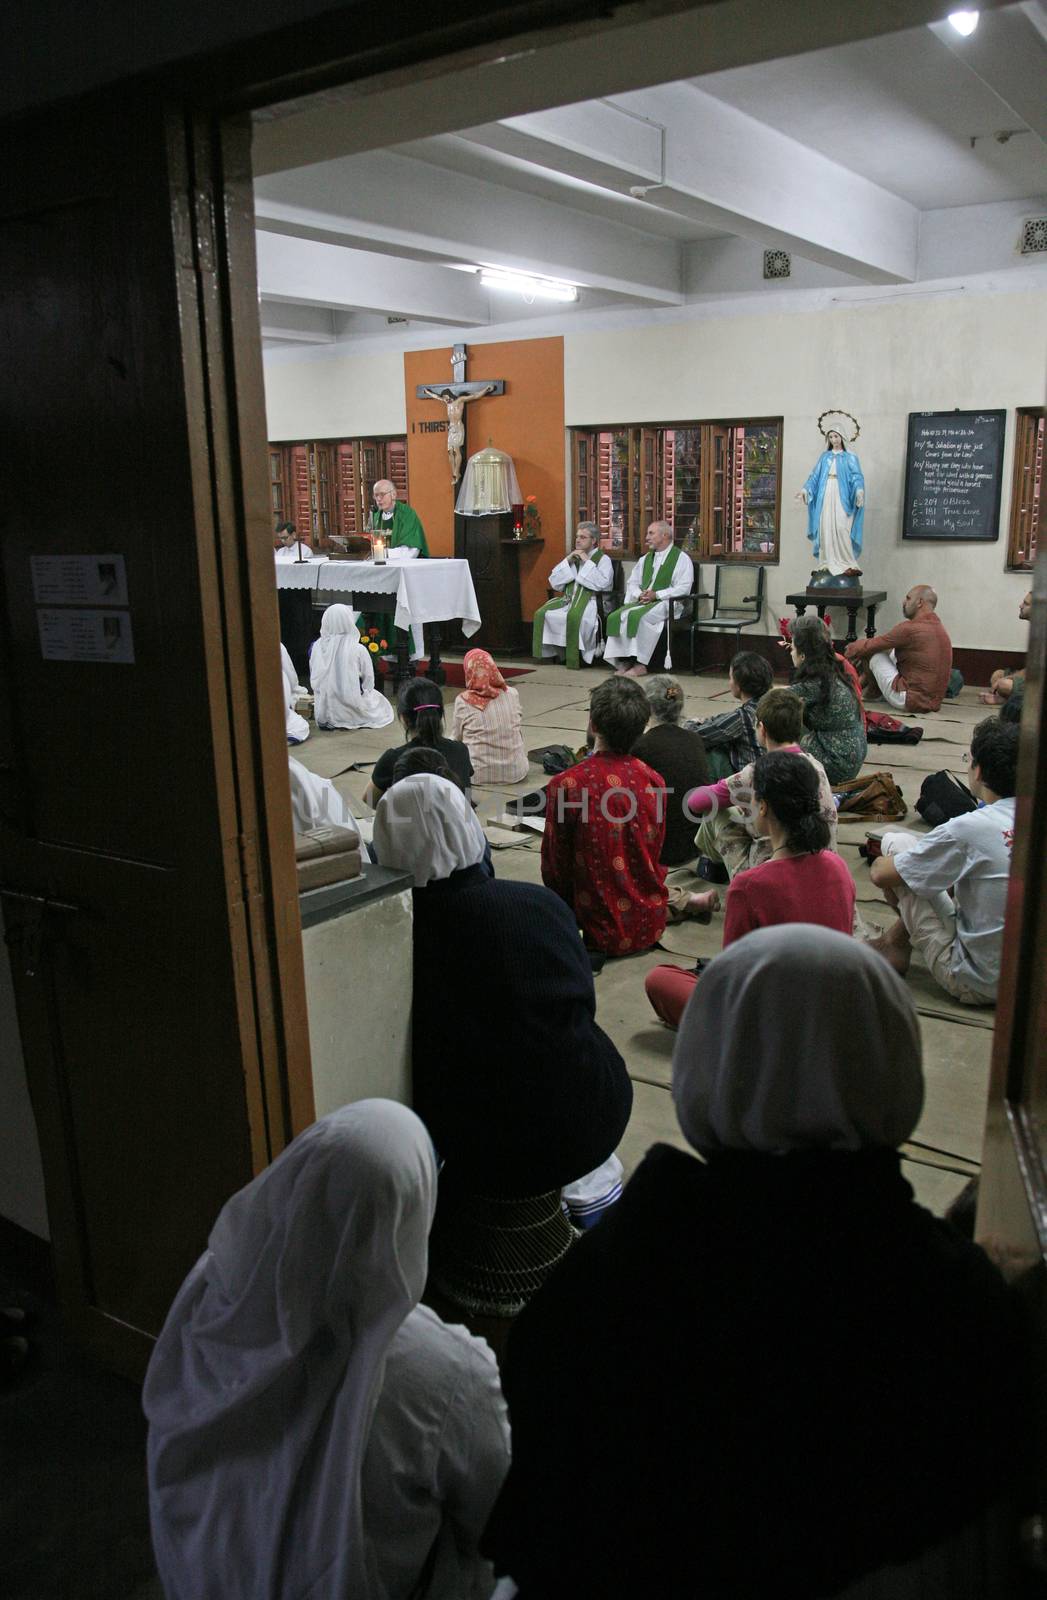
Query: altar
{"x": 429, "y": 591}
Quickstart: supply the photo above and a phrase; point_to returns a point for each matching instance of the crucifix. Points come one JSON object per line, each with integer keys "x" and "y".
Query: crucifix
{"x": 456, "y": 396}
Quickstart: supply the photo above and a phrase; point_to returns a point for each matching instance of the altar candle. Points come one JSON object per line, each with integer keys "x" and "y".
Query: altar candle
{"x": 378, "y": 549}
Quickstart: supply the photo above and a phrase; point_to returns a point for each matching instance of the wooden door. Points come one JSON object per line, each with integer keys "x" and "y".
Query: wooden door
{"x": 145, "y": 830}
{"x": 1012, "y": 1196}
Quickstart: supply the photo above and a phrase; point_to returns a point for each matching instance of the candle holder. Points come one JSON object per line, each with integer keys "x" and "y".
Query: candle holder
{"x": 518, "y": 514}
{"x": 378, "y": 555}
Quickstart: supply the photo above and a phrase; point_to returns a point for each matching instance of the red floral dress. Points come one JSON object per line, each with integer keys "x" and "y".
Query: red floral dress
{"x": 604, "y": 827}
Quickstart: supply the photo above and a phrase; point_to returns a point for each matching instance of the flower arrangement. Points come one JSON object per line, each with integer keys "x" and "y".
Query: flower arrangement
{"x": 374, "y": 642}
{"x": 532, "y": 522}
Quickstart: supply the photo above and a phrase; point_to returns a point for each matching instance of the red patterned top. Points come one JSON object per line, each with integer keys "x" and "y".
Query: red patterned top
{"x": 604, "y": 827}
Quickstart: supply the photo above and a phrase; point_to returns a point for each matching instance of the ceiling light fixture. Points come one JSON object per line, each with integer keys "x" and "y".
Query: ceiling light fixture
{"x": 531, "y": 288}
{"x": 964, "y": 22}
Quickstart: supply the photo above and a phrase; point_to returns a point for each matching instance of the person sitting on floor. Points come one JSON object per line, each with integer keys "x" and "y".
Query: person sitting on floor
{"x": 778, "y": 1323}
{"x": 730, "y": 737}
{"x": 802, "y": 880}
{"x": 312, "y": 1428}
{"x": 421, "y": 709}
{"x": 604, "y": 829}
{"x": 910, "y": 665}
{"x": 678, "y": 756}
{"x": 727, "y": 836}
{"x": 315, "y": 802}
{"x": 833, "y": 713}
{"x": 297, "y": 727}
{"x": 417, "y": 759}
{"x": 522, "y": 1092}
{"x": 342, "y": 676}
{"x": 1005, "y": 683}
{"x": 950, "y": 887}
{"x": 571, "y": 622}
{"x": 658, "y": 580}
{"x": 487, "y": 720}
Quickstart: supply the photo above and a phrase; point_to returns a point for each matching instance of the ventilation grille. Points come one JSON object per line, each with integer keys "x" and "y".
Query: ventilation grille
{"x": 1034, "y": 236}
{"x": 777, "y": 264}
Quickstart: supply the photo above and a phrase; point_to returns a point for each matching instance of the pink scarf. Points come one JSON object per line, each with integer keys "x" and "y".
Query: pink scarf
{"x": 483, "y": 681}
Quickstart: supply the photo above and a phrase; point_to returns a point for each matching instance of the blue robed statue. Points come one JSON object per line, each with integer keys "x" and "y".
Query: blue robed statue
{"x": 834, "y": 495}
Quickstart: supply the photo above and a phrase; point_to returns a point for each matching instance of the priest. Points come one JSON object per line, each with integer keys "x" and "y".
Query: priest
{"x": 663, "y": 576}
{"x": 401, "y": 525}
{"x": 403, "y": 531}
{"x": 571, "y": 622}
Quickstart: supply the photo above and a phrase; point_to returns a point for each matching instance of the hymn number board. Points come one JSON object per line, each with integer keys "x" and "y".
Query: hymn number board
{"x": 953, "y": 475}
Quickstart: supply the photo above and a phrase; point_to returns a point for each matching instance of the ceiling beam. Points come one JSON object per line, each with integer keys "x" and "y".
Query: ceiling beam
{"x": 706, "y": 160}
{"x": 1008, "y": 52}
{"x": 304, "y": 324}
{"x": 305, "y": 273}
{"x": 408, "y": 208}
{"x": 625, "y": 53}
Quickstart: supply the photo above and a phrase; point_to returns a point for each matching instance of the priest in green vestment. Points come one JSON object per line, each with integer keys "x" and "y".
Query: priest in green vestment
{"x": 402, "y": 528}
{"x": 661, "y": 578}
{"x": 571, "y": 622}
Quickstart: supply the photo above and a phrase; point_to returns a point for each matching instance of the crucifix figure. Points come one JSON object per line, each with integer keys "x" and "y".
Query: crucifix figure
{"x": 456, "y": 396}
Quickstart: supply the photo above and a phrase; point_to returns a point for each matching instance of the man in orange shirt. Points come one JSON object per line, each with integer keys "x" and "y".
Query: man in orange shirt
{"x": 911, "y": 664}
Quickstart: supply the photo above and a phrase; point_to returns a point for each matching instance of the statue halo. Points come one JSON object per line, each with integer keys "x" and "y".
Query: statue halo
{"x": 834, "y": 412}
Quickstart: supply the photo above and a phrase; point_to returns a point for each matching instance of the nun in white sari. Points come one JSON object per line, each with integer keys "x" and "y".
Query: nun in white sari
{"x": 313, "y": 1431}
{"x": 297, "y": 727}
{"x": 342, "y": 676}
{"x": 316, "y": 803}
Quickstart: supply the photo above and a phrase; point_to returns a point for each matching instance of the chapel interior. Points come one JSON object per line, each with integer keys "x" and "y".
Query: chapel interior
{"x": 670, "y": 271}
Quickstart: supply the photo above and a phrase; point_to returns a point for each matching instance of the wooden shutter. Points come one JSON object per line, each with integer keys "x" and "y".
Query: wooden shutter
{"x": 610, "y": 513}
{"x": 715, "y": 520}
{"x": 649, "y": 498}
{"x": 348, "y": 501}
{"x": 300, "y": 510}
{"x": 395, "y": 468}
{"x": 1027, "y": 488}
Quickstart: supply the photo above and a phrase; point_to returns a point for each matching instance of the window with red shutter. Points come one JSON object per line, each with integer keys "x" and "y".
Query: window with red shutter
{"x": 1026, "y": 488}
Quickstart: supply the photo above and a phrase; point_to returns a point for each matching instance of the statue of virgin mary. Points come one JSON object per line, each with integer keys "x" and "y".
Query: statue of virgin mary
{"x": 834, "y": 495}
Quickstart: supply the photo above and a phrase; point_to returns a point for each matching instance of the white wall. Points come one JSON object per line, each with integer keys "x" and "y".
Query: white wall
{"x": 343, "y": 397}
{"x": 21, "y": 1172}
{"x": 879, "y": 360}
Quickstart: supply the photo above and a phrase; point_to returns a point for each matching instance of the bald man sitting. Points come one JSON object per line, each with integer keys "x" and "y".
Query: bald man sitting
{"x": 910, "y": 666}
{"x": 663, "y": 576}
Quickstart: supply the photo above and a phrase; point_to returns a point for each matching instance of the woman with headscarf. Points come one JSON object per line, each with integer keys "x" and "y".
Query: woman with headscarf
{"x": 801, "y": 1375}
{"x": 297, "y": 727}
{"x": 342, "y": 676}
{"x": 313, "y": 1430}
{"x": 487, "y": 719}
{"x": 520, "y": 1089}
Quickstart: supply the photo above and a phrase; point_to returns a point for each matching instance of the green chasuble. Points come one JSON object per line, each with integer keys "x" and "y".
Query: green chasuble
{"x": 404, "y": 528}
{"x": 633, "y": 614}
{"x": 575, "y": 597}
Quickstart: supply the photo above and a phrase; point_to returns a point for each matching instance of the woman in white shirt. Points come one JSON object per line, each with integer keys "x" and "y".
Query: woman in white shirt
{"x": 487, "y": 720}
{"x": 313, "y": 1430}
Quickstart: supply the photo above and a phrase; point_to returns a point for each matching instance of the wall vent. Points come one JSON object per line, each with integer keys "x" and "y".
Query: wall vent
{"x": 1034, "y": 236}
{"x": 391, "y": 320}
{"x": 777, "y": 264}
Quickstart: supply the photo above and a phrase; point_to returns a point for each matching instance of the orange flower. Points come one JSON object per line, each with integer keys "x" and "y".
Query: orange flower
{"x": 532, "y": 500}
{"x": 384, "y": 644}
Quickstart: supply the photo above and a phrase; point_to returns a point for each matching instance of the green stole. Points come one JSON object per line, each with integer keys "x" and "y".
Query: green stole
{"x": 575, "y": 597}
{"x": 634, "y": 614}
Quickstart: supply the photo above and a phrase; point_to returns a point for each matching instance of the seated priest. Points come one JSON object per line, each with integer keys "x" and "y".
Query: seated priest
{"x": 663, "y": 576}
{"x": 287, "y": 544}
{"x": 404, "y": 533}
{"x": 571, "y": 622}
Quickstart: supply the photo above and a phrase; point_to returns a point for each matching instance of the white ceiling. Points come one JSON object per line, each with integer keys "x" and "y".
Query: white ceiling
{"x": 846, "y": 156}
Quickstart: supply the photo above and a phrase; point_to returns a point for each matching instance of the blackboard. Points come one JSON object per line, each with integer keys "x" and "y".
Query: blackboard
{"x": 953, "y": 475}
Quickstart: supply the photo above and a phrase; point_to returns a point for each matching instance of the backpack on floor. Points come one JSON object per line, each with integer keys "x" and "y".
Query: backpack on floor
{"x": 872, "y": 797}
{"x": 881, "y": 728}
{"x": 942, "y": 797}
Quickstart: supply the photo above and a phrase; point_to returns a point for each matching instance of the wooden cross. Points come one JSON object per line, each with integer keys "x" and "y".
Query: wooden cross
{"x": 456, "y": 396}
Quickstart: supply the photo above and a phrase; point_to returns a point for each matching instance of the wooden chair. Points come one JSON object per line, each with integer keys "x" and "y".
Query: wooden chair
{"x": 737, "y": 599}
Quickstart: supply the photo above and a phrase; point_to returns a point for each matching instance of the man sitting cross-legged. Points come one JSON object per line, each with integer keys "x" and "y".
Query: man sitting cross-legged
{"x": 910, "y": 665}
{"x": 950, "y": 887}
{"x": 1006, "y": 684}
{"x": 730, "y": 737}
{"x": 727, "y": 834}
{"x": 604, "y": 828}
{"x": 571, "y": 622}
{"x": 662, "y": 577}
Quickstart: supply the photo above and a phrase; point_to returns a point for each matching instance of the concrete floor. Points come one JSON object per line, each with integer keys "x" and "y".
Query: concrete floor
{"x": 946, "y": 1147}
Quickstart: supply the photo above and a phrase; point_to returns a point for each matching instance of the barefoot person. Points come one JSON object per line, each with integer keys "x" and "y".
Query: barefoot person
{"x": 950, "y": 887}
{"x": 1006, "y": 684}
{"x": 571, "y": 622}
{"x": 910, "y": 665}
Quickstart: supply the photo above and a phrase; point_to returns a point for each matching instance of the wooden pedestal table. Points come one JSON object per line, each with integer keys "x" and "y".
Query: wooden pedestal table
{"x": 853, "y": 599}
{"x": 427, "y": 592}
{"x": 493, "y": 555}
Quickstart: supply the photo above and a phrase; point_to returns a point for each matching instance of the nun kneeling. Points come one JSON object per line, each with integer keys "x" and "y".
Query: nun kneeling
{"x": 313, "y": 1430}
{"x": 342, "y": 676}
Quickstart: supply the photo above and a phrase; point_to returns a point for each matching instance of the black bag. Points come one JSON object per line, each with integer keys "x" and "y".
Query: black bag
{"x": 941, "y": 797}
{"x": 554, "y": 758}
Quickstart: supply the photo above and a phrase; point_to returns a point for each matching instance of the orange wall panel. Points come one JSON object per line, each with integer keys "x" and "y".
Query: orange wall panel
{"x": 527, "y": 421}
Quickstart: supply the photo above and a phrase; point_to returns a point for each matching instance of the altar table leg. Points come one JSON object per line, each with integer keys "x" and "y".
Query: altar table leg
{"x": 404, "y": 665}
{"x": 436, "y": 671}
{"x": 852, "y": 622}
{"x": 870, "y": 622}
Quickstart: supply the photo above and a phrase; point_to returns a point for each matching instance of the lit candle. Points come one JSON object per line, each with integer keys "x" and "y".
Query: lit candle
{"x": 379, "y": 549}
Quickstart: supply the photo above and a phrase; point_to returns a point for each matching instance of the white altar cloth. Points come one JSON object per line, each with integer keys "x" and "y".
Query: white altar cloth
{"x": 434, "y": 590}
